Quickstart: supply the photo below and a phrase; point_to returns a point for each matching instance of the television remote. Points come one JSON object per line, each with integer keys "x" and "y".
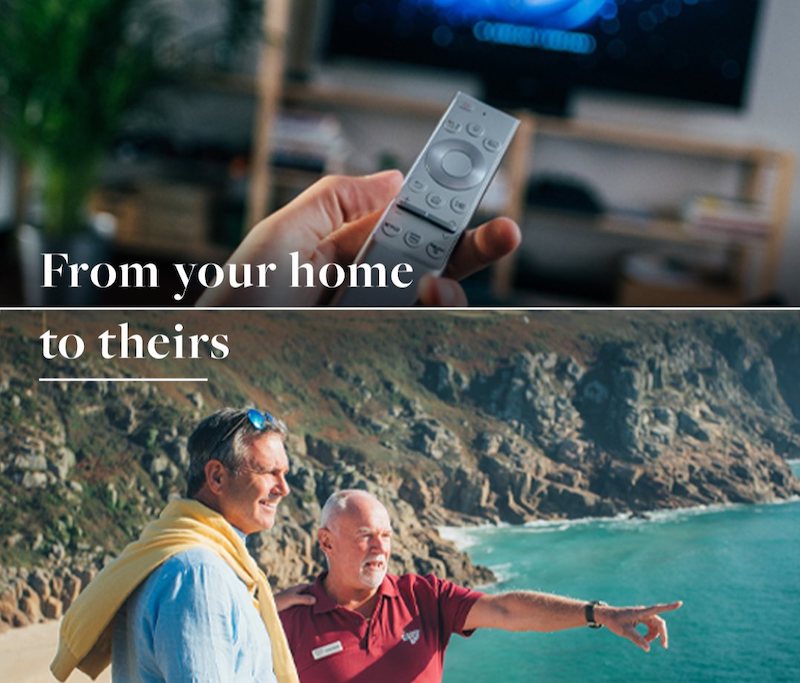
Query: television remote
{"x": 439, "y": 196}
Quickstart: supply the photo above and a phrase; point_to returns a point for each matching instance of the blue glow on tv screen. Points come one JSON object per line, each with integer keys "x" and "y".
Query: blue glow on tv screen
{"x": 696, "y": 50}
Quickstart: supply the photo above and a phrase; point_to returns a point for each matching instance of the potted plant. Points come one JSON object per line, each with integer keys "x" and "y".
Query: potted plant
{"x": 70, "y": 71}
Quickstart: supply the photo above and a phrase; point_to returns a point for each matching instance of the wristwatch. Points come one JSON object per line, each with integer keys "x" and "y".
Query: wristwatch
{"x": 589, "y": 611}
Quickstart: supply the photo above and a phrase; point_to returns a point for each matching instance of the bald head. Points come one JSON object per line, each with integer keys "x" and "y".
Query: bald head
{"x": 351, "y": 502}
{"x": 355, "y": 535}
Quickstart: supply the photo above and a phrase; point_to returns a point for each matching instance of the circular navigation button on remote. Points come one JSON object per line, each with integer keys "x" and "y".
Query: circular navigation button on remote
{"x": 452, "y": 156}
{"x": 457, "y": 164}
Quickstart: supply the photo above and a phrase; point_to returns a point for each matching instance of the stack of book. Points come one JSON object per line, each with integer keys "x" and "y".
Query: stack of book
{"x": 304, "y": 141}
{"x": 730, "y": 219}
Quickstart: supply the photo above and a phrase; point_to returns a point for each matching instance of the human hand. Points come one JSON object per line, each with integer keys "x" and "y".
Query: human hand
{"x": 328, "y": 223}
{"x": 623, "y": 621}
{"x": 294, "y": 596}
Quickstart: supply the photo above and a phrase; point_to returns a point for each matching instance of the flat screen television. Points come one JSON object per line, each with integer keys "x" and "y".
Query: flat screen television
{"x": 535, "y": 53}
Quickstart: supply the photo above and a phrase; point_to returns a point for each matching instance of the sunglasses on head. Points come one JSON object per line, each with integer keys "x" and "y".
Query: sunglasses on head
{"x": 260, "y": 421}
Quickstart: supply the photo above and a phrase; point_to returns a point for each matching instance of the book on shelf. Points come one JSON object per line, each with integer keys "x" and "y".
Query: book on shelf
{"x": 723, "y": 217}
{"x": 309, "y": 141}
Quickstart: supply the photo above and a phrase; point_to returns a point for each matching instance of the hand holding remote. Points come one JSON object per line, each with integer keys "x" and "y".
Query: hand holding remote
{"x": 330, "y": 222}
{"x": 421, "y": 228}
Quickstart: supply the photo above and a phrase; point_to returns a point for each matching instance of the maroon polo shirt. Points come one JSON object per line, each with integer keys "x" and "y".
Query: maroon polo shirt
{"x": 403, "y": 641}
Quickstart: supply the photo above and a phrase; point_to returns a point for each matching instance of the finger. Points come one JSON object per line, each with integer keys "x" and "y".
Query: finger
{"x": 653, "y": 629}
{"x": 348, "y": 240}
{"x": 662, "y": 631}
{"x": 299, "y": 588}
{"x": 305, "y": 599}
{"x": 636, "y": 638}
{"x": 482, "y": 246}
{"x": 441, "y": 291}
{"x": 657, "y": 609}
{"x": 336, "y": 200}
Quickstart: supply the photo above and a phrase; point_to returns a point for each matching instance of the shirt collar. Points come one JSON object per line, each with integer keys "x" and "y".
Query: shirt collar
{"x": 325, "y": 603}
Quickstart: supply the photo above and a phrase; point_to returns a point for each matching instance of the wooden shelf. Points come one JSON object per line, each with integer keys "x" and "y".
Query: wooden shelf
{"x": 629, "y": 225}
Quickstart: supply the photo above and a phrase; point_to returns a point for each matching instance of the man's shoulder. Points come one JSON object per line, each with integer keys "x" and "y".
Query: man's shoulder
{"x": 419, "y": 582}
{"x": 196, "y": 560}
{"x": 195, "y": 568}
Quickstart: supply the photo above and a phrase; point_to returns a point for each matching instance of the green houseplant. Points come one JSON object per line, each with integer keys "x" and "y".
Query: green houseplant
{"x": 70, "y": 71}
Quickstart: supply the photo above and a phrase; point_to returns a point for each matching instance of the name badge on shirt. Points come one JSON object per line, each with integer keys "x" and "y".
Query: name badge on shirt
{"x": 327, "y": 650}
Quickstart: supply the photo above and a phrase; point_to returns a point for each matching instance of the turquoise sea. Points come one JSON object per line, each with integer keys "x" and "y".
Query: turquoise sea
{"x": 736, "y": 568}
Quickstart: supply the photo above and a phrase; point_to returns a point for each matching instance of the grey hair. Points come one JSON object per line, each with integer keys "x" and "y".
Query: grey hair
{"x": 225, "y": 435}
{"x": 337, "y": 503}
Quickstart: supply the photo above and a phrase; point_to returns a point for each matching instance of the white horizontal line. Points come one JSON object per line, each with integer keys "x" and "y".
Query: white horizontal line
{"x": 123, "y": 379}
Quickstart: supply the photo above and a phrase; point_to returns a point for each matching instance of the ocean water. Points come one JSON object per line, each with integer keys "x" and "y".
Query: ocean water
{"x": 736, "y": 568}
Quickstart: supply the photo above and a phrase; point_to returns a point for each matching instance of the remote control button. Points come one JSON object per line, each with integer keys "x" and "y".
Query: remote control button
{"x": 491, "y": 144}
{"x": 434, "y": 200}
{"x": 390, "y": 229}
{"x": 457, "y": 164}
{"x": 449, "y": 225}
{"x": 416, "y": 185}
{"x": 412, "y": 239}
{"x": 452, "y": 126}
{"x": 458, "y": 205}
{"x": 435, "y": 251}
{"x": 435, "y": 158}
{"x": 475, "y": 129}
{"x": 466, "y": 105}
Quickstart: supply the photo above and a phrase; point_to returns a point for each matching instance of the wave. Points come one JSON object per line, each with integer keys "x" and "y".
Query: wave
{"x": 466, "y": 537}
{"x": 503, "y": 573}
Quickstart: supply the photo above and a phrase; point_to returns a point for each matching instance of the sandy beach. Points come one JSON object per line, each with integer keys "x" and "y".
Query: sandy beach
{"x": 25, "y": 655}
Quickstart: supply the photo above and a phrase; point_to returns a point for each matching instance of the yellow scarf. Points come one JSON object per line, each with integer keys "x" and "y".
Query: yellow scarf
{"x": 85, "y": 634}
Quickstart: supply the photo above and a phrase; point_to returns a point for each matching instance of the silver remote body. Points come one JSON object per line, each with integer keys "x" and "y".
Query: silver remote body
{"x": 439, "y": 196}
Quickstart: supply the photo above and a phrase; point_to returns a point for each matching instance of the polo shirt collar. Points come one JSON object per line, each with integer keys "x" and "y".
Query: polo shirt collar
{"x": 325, "y": 603}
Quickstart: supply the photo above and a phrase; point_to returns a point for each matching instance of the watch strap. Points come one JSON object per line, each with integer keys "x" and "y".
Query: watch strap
{"x": 588, "y": 610}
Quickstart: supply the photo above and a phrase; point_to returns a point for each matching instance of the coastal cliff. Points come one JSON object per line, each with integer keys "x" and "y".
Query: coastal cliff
{"x": 449, "y": 419}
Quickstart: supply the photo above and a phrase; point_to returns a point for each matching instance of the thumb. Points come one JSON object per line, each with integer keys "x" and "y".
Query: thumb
{"x": 335, "y": 200}
{"x": 636, "y": 638}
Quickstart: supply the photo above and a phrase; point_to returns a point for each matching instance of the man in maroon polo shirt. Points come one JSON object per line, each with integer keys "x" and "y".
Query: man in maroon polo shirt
{"x": 367, "y": 625}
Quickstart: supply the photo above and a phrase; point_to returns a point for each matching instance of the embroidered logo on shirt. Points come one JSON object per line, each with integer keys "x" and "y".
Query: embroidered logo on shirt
{"x": 411, "y": 636}
{"x": 327, "y": 650}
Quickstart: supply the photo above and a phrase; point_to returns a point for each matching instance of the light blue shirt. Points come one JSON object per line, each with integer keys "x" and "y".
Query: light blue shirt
{"x": 191, "y": 621}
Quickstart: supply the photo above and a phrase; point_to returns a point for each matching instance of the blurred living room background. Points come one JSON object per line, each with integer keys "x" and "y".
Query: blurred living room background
{"x": 654, "y": 165}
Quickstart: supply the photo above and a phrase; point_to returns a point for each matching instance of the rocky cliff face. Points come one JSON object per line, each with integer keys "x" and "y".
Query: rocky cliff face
{"x": 449, "y": 420}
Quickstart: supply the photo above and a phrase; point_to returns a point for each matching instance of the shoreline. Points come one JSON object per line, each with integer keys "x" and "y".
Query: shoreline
{"x": 462, "y": 536}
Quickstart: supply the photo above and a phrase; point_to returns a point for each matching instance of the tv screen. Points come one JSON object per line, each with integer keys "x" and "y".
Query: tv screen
{"x": 536, "y": 52}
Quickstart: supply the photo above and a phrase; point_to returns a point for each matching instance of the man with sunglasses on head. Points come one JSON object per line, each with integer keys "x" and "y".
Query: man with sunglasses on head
{"x": 186, "y": 602}
{"x": 368, "y": 625}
